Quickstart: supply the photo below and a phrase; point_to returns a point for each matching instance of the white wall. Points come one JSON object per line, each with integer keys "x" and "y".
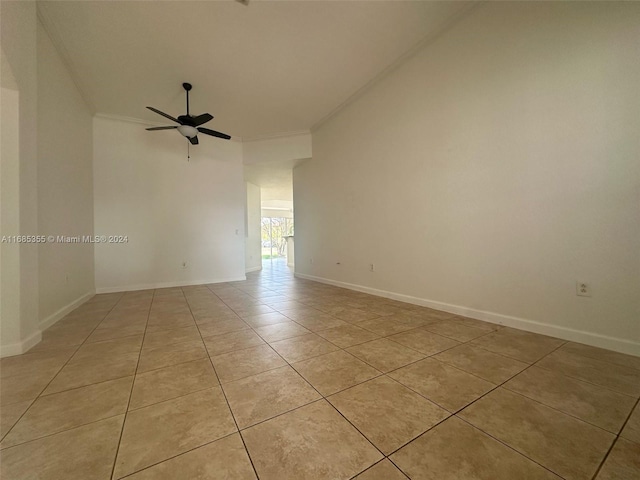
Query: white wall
{"x": 492, "y": 171}
{"x": 10, "y": 333}
{"x": 18, "y": 38}
{"x": 171, "y": 209}
{"x": 65, "y": 186}
{"x": 253, "y": 240}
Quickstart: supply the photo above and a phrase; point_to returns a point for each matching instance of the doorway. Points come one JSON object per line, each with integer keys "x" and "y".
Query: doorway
{"x": 274, "y": 233}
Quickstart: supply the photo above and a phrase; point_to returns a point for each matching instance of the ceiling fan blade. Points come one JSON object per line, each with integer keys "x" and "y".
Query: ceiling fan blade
{"x": 166, "y": 115}
{"x": 201, "y": 119}
{"x": 193, "y": 140}
{"x": 162, "y": 128}
{"x": 213, "y": 133}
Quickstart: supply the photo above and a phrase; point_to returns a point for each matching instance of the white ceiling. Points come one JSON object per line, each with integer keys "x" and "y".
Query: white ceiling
{"x": 271, "y": 67}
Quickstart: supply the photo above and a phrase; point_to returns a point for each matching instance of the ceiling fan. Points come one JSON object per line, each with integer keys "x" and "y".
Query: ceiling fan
{"x": 189, "y": 125}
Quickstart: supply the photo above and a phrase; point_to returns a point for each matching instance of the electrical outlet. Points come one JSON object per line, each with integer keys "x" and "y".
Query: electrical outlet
{"x": 184, "y": 265}
{"x": 583, "y": 289}
{"x": 371, "y": 267}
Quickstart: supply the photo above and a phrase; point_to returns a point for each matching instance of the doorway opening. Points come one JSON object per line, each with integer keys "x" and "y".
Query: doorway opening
{"x": 275, "y": 234}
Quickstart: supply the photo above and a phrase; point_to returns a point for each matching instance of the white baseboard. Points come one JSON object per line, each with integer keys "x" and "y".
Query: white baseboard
{"x": 21, "y": 347}
{"x": 589, "y": 338}
{"x": 151, "y": 286}
{"x": 54, "y": 317}
{"x": 35, "y": 338}
{"x": 253, "y": 269}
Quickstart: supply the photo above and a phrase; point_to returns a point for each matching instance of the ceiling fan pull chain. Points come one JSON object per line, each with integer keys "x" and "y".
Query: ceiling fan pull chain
{"x": 188, "y": 156}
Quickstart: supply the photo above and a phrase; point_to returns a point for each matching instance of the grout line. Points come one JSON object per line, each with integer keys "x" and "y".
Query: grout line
{"x": 224, "y": 394}
{"x": 3, "y": 449}
{"x": 318, "y": 299}
{"x": 177, "y": 455}
{"x": 61, "y": 368}
{"x": 133, "y": 383}
{"x": 323, "y": 397}
{"x": 615, "y": 441}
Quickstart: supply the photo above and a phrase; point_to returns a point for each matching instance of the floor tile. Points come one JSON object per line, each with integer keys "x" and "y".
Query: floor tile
{"x": 171, "y": 323}
{"x": 454, "y": 450}
{"x": 102, "y": 334}
{"x": 424, "y": 341}
{"x": 472, "y": 322}
{"x": 244, "y": 363}
{"x": 157, "y": 432}
{"x": 158, "y": 357}
{"x": 622, "y": 463}
{"x": 383, "y": 310}
{"x": 385, "y": 355}
{"x": 170, "y": 382}
{"x": 431, "y": 314}
{"x": 210, "y": 329}
{"x": 224, "y": 459}
{"x": 631, "y": 430}
{"x": 602, "y": 354}
{"x": 10, "y": 414}
{"x": 303, "y": 347}
{"x": 455, "y": 330}
{"x": 48, "y": 362}
{"x": 411, "y": 319}
{"x": 263, "y": 396}
{"x": 384, "y": 327}
{"x": 251, "y": 310}
{"x": 347, "y": 335}
{"x": 616, "y": 377}
{"x": 94, "y": 370}
{"x": 482, "y": 363}
{"x": 312, "y": 442}
{"x": 355, "y": 315}
{"x": 387, "y": 413}
{"x": 384, "y": 470}
{"x": 265, "y": 319}
{"x": 281, "y": 331}
{"x": 229, "y": 342}
{"x": 599, "y": 406}
{"x": 82, "y": 453}
{"x": 168, "y": 337}
{"x": 63, "y": 411}
{"x": 23, "y": 388}
{"x": 565, "y": 445}
{"x": 443, "y": 384}
{"x": 111, "y": 348}
{"x": 524, "y": 346}
{"x": 318, "y": 324}
{"x": 559, "y": 404}
{"x": 55, "y": 341}
{"x": 306, "y": 312}
{"x": 335, "y": 371}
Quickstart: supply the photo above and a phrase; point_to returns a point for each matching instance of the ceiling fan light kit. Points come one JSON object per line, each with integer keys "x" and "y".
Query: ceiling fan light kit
{"x": 189, "y": 125}
{"x": 187, "y": 131}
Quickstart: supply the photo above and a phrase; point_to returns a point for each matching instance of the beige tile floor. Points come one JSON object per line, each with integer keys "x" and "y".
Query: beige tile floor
{"x": 281, "y": 378}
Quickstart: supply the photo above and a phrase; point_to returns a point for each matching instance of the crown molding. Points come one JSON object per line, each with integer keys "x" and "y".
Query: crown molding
{"x": 272, "y": 136}
{"x": 430, "y": 38}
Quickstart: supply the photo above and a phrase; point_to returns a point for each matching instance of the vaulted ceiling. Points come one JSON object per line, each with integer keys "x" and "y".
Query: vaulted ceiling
{"x": 267, "y": 68}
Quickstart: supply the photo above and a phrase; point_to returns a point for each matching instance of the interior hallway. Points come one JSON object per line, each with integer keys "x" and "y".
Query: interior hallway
{"x": 320, "y": 382}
